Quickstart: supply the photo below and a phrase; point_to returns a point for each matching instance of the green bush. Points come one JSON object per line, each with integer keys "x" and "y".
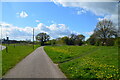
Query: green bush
{"x": 117, "y": 42}
{"x": 110, "y": 42}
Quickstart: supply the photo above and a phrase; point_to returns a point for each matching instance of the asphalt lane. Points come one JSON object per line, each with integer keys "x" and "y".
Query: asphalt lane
{"x": 35, "y": 65}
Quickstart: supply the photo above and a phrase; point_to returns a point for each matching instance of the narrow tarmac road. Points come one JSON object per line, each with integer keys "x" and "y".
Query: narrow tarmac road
{"x": 35, "y": 65}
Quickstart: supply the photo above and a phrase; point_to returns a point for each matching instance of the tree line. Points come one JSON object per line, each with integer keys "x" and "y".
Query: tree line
{"x": 105, "y": 34}
{"x": 73, "y": 39}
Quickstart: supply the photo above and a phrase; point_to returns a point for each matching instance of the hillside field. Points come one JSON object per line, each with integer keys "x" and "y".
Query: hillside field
{"x": 86, "y": 61}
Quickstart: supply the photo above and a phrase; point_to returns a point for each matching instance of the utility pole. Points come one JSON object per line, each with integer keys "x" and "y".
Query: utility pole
{"x": 7, "y": 42}
{"x": 33, "y": 38}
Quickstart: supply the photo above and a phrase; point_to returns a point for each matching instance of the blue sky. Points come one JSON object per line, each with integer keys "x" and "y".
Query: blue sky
{"x": 18, "y": 18}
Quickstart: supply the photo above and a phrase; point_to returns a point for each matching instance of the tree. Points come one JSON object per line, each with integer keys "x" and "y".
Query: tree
{"x": 92, "y": 40}
{"x": 42, "y": 37}
{"x": 105, "y": 30}
{"x": 79, "y": 39}
{"x": 65, "y": 40}
{"x": 72, "y": 39}
{"x": 53, "y": 42}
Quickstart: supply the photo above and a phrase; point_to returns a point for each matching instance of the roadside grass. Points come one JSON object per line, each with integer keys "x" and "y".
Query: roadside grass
{"x": 15, "y": 55}
{"x": 102, "y": 63}
{"x": 60, "y": 54}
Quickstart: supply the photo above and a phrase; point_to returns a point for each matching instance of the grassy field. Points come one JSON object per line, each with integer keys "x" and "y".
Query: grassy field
{"x": 95, "y": 61}
{"x": 64, "y": 53}
{"x": 14, "y": 55}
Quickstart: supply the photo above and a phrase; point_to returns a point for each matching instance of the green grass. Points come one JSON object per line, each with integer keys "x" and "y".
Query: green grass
{"x": 64, "y": 53}
{"x": 15, "y": 55}
{"x": 102, "y": 62}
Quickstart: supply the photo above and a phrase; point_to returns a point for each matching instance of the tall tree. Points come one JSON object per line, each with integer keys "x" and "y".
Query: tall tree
{"x": 105, "y": 30}
{"x": 65, "y": 40}
{"x": 79, "y": 39}
{"x": 42, "y": 37}
{"x": 92, "y": 40}
{"x": 72, "y": 39}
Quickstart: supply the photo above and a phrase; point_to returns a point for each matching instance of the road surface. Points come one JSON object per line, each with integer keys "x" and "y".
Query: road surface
{"x": 35, "y": 65}
{"x": 2, "y": 47}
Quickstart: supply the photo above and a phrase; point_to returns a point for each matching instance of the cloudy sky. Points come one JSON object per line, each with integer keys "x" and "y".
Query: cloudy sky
{"x": 57, "y": 18}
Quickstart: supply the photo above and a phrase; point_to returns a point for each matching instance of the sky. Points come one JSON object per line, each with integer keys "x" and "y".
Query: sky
{"x": 56, "y": 18}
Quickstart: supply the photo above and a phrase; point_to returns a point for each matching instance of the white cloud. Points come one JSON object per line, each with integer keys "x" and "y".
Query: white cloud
{"x": 37, "y": 20}
{"x": 113, "y": 17}
{"x": 53, "y": 22}
{"x": 22, "y": 14}
{"x": 89, "y": 33}
{"x": 18, "y": 33}
{"x": 54, "y": 30}
{"x": 108, "y": 10}
{"x": 81, "y": 12}
{"x": 100, "y": 19}
{"x": 15, "y": 32}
